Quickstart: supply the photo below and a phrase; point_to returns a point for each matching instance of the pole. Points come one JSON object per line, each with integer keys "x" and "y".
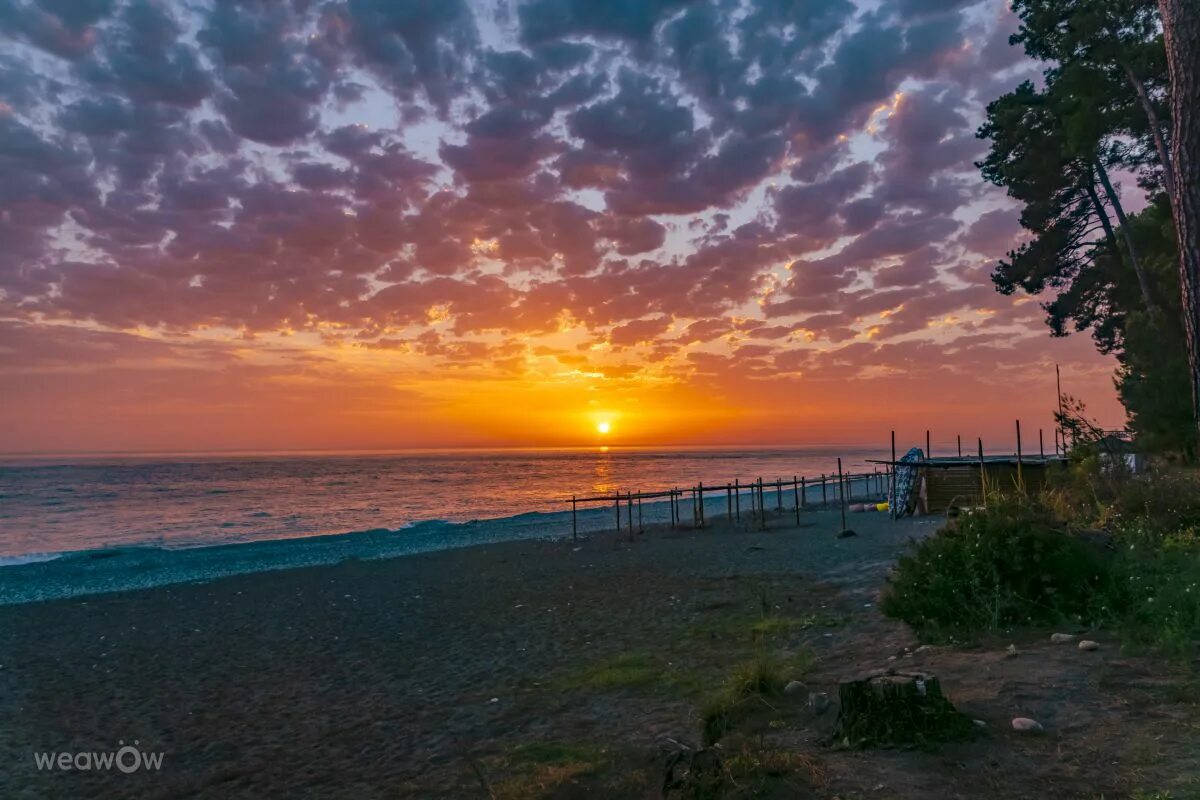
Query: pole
{"x": 960, "y": 445}
{"x": 574, "y": 527}
{"x": 630, "y": 507}
{"x": 928, "y": 449}
{"x": 1020, "y": 479}
{"x": 824, "y": 499}
{"x": 803, "y": 491}
{"x": 982, "y": 474}
{"x": 762, "y": 505}
{"x": 737, "y": 500}
{"x": 1041, "y": 445}
{"x": 1061, "y": 413}
{"x": 729, "y": 502}
{"x": 892, "y": 493}
{"x": 779, "y": 494}
{"x": 618, "y": 504}
{"x": 700, "y": 493}
{"x": 842, "y": 504}
{"x": 641, "y": 527}
{"x": 796, "y": 489}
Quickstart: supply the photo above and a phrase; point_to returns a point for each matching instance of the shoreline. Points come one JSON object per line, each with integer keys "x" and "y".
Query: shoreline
{"x": 34, "y": 577}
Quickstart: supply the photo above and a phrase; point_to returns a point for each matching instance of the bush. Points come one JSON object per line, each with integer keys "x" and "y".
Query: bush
{"x": 1010, "y": 564}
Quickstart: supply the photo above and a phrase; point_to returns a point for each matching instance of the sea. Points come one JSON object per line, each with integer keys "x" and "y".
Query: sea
{"x": 239, "y": 509}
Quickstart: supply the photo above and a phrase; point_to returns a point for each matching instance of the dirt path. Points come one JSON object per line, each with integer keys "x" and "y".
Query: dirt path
{"x": 555, "y": 669}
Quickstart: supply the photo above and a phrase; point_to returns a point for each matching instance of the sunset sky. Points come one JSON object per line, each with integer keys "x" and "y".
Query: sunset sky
{"x": 380, "y": 224}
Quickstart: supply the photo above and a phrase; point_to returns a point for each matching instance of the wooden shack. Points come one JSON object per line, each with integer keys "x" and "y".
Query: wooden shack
{"x": 946, "y": 482}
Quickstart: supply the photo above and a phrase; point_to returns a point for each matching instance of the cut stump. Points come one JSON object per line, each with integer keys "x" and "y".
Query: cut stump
{"x": 891, "y": 709}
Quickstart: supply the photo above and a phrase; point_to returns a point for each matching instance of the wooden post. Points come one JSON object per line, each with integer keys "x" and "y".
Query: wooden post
{"x": 729, "y": 502}
{"x": 618, "y": 496}
{"x": 1020, "y": 478}
{"x": 762, "y": 506}
{"x": 1041, "y": 445}
{"x": 796, "y": 489}
{"x": 960, "y": 445}
{"x": 630, "y": 508}
{"x": 982, "y": 474}
{"x": 641, "y": 527}
{"x": 842, "y": 504}
{"x": 779, "y": 494}
{"x": 892, "y": 493}
{"x": 928, "y": 447}
{"x": 803, "y": 491}
{"x": 1056, "y": 441}
{"x": 574, "y": 526}
{"x": 824, "y": 499}
{"x": 700, "y": 493}
{"x": 737, "y": 500}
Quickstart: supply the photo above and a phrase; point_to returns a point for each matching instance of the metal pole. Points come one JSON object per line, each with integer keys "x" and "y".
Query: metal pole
{"x": 574, "y": 527}
{"x": 842, "y": 504}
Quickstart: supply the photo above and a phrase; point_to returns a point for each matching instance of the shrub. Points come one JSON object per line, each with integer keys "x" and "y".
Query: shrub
{"x": 1007, "y": 565}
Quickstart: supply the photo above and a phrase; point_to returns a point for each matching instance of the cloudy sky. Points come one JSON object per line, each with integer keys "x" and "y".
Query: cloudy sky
{"x": 392, "y": 223}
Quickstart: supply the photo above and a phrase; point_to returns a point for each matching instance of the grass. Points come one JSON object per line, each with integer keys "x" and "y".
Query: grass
{"x": 538, "y": 769}
{"x": 634, "y": 671}
{"x": 763, "y": 677}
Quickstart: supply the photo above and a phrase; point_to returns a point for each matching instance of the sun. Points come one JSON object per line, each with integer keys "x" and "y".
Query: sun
{"x": 603, "y": 427}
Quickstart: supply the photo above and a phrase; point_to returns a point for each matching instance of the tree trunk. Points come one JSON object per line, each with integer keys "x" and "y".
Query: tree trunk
{"x": 895, "y": 710}
{"x": 1181, "y": 34}
{"x": 1126, "y": 234}
{"x": 1156, "y": 129}
{"x": 1102, "y": 213}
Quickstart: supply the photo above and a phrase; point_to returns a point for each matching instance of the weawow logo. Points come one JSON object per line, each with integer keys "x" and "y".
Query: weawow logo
{"x": 127, "y": 758}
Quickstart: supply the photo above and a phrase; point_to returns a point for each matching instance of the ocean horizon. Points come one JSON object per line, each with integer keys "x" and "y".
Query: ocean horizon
{"x": 55, "y": 504}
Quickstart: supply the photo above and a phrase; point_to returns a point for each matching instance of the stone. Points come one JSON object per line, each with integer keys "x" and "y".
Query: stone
{"x": 818, "y": 702}
{"x": 1062, "y": 638}
{"x": 1026, "y": 725}
{"x": 1088, "y": 644}
{"x": 979, "y": 723}
{"x": 793, "y": 687}
{"x": 1011, "y": 651}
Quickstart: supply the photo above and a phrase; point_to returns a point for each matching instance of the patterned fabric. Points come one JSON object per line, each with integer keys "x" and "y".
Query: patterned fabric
{"x": 906, "y": 482}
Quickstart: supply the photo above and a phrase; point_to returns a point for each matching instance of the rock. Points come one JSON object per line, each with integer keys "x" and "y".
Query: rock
{"x": 1062, "y": 638}
{"x": 1011, "y": 651}
{"x": 979, "y": 723}
{"x": 1026, "y": 725}
{"x": 1088, "y": 644}
{"x": 818, "y": 702}
{"x": 846, "y": 534}
{"x": 923, "y": 648}
{"x": 793, "y": 687}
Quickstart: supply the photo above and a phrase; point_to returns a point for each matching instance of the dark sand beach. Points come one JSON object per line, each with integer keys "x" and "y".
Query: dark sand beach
{"x": 555, "y": 669}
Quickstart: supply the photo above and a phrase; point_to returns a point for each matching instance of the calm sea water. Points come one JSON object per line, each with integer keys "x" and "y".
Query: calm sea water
{"x": 50, "y": 506}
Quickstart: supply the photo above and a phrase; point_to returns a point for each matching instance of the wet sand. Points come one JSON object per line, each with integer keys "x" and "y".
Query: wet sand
{"x": 420, "y": 676}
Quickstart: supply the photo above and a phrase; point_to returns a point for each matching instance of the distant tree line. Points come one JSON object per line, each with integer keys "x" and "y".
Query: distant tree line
{"x": 1119, "y": 94}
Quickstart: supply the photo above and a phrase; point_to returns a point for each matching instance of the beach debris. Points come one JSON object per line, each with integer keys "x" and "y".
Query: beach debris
{"x": 923, "y": 648}
{"x": 979, "y": 723}
{"x": 494, "y": 700}
{"x": 576, "y": 549}
{"x": 1088, "y": 644}
{"x": 1062, "y": 638}
{"x": 793, "y": 687}
{"x": 818, "y": 702}
{"x": 1012, "y": 651}
{"x": 1026, "y": 725}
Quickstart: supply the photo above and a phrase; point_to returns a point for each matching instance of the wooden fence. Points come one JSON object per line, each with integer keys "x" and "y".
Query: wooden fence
{"x": 803, "y": 492}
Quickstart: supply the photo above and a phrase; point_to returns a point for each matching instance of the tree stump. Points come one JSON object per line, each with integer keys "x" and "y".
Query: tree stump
{"x": 891, "y": 709}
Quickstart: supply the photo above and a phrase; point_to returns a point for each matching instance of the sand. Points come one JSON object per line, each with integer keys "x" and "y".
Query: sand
{"x": 427, "y": 676}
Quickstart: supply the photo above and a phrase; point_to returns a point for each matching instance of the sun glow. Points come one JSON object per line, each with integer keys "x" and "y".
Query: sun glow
{"x": 603, "y": 428}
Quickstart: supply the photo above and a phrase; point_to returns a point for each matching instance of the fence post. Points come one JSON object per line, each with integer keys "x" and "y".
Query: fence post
{"x": 928, "y": 447}
{"x": 630, "y": 508}
{"x": 1041, "y": 445}
{"x": 892, "y": 493}
{"x": 824, "y": 498}
{"x": 618, "y": 505}
{"x": 641, "y": 527}
{"x": 779, "y": 494}
{"x": 1020, "y": 477}
{"x": 737, "y": 500}
{"x": 803, "y": 491}
{"x": 982, "y": 474}
{"x": 960, "y": 445}
{"x": 762, "y": 505}
{"x": 796, "y": 489}
{"x": 842, "y": 503}
{"x": 574, "y": 527}
{"x": 701, "y": 506}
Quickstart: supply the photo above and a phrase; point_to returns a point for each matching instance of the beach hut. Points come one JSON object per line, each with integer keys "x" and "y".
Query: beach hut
{"x": 943, "y": 483}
